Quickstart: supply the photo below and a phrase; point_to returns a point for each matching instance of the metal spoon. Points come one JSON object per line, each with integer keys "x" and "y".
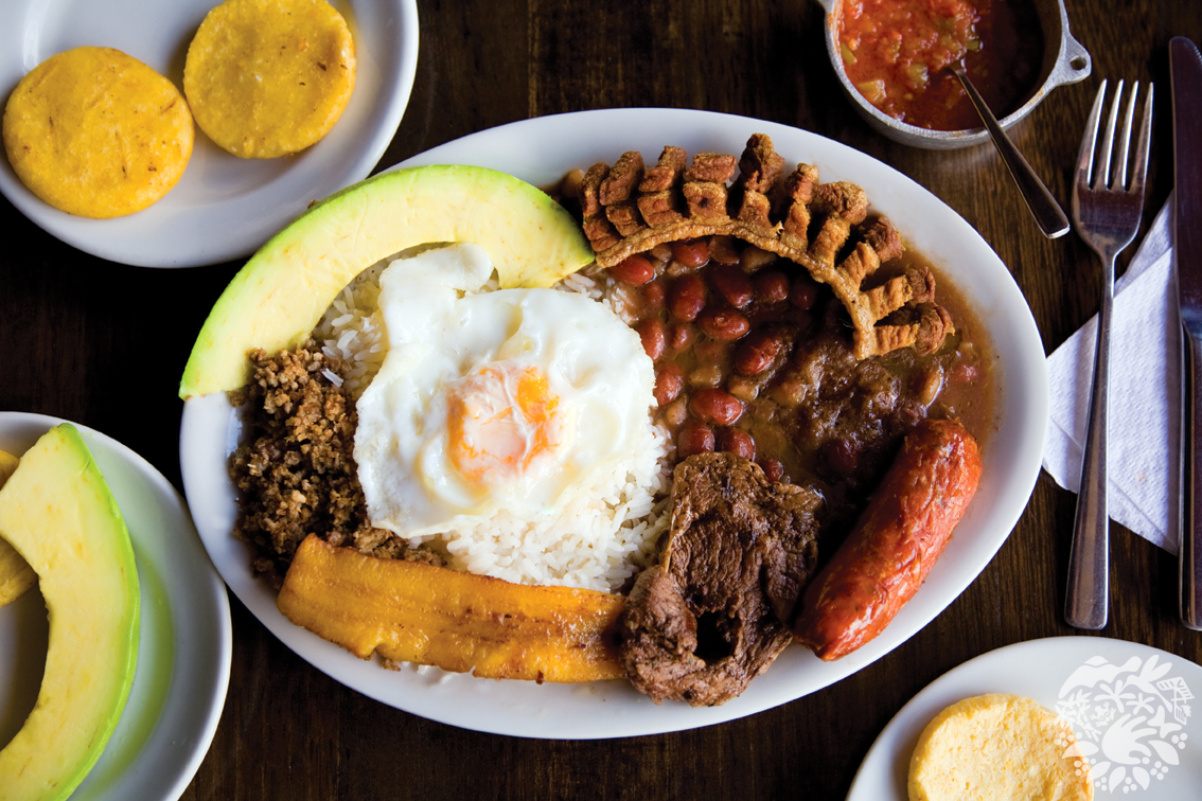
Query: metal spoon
{"x": 1048, "y": 215}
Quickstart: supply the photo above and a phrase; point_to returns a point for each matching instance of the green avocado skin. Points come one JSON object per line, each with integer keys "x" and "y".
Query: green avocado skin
{"x": 281, "y": 292}
{"x": 57, "y": 511}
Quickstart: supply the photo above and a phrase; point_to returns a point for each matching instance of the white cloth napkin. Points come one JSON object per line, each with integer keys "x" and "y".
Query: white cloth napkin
{"x": 1144, "y": 394}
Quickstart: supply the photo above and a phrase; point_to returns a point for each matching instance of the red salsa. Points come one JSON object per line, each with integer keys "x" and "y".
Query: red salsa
{"x": 894, "y": 52}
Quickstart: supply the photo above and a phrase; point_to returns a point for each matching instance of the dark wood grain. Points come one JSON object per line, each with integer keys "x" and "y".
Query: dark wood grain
{"x": 103, "y": 344}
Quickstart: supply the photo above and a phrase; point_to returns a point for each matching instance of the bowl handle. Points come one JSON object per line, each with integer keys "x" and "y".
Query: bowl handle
{"x": 1074, "y": 63}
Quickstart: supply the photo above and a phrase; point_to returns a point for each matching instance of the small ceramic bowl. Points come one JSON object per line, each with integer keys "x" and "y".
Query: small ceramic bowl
{"x": 1065, "y": 61}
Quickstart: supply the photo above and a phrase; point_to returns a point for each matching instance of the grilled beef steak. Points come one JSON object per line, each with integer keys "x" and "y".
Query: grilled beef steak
{"x": 715, "y": 612}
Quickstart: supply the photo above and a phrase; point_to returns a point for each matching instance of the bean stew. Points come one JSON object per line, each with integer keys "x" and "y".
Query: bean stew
{"x": 752, "y": 357}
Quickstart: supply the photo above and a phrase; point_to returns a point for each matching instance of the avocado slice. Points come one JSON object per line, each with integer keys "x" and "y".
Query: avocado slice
{"x": 277, "y": 298}
{"x": 58, "y": 513}
{"x": 16, "y": 576}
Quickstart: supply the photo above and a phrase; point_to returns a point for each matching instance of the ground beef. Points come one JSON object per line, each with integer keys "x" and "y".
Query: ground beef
{"x": 295, "y": 469}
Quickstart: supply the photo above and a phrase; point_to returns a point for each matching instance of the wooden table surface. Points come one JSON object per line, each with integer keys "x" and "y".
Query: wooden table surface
{"x": 103, "y": 344}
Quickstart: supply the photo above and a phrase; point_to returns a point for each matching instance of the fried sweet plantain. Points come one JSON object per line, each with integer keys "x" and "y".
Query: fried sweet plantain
{"x": 461, "y": 622}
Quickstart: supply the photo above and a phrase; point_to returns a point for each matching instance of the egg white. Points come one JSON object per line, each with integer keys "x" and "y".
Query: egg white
{"x": 453, "y": 345}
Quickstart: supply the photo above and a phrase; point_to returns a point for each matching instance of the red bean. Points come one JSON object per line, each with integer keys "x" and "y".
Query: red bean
{"x": 681, "y": 335}
{"x": 654, "y": 337}
{"x": 636, "y": 270}
{"x": 661, "y": 253}
{"x": 723, "y": 250}
{"x": 653, "y": 296}
{"x": 716, "y": 406}
{"x": 676, "y": 413}
{"x": 736, "y": 441}
{"x": 791, "y": 390}
{"x": 686, "y": 298}
{"x": 756, "y": 353}
{"x": 770, "y": 286}
{"x": 803, "y": 293}
{"x": 743, "y": 387}
{"x": 691, "y": 252}
{"x": 704, "y": 375}
{"x": 725, "y": 325}
{"x": 773, "y": 469}
{"x": 839, "y": 457}
{"x": 964, "y": 372}
{"x": 693, "y": 438}
{"x": 710, "y": 353}
{"x": 754, "y": 258}
{"x": 669, "y": 381}
{"x": 732, "y": 284}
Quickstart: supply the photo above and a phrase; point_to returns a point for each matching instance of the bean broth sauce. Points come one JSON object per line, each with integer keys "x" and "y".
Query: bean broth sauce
{"x": 752, "y": 356}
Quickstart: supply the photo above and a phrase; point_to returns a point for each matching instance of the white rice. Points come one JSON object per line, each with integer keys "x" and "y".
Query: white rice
{"x": 598, "y": 538}
{"x": 352, "y": 330}
{"x": 592, "y": 541}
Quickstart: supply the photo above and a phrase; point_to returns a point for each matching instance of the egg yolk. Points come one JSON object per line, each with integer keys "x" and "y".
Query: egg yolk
{"x": 500, "y": 421}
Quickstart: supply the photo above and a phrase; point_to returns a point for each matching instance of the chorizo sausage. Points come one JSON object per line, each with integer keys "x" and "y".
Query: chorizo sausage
{"x": 895, "y": 543}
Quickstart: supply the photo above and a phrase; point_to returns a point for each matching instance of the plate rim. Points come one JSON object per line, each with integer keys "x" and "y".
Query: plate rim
{"x": 1029, "y": 390}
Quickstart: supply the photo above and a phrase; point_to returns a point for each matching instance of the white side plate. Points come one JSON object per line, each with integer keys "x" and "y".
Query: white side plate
{"x": 1130, "y": 705}
{"x": 224, "y": 207}
{"x": 184, "y": 653}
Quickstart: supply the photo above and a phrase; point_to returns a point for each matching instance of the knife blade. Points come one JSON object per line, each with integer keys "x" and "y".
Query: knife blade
{"x": 1185, "y": 65}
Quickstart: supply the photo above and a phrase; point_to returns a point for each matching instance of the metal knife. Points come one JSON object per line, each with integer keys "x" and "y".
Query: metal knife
{"x": 1185, "y": 65}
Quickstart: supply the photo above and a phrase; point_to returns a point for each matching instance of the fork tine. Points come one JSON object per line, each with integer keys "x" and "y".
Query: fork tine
{"x": 1120, "y": 170}
{"x": 1140, "y": 169}
{"x": 1089, "y": 140}
{"x": 1101, "y": 177}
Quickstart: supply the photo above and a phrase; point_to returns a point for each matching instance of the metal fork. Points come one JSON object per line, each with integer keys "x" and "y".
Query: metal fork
{"x": 1106, "y": 213}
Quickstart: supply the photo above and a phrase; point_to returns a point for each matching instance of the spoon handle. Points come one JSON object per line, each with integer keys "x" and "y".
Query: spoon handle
{"x": 1048, "y": 215}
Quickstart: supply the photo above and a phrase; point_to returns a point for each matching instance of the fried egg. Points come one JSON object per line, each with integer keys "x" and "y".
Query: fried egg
{"x": 507, "y": 402}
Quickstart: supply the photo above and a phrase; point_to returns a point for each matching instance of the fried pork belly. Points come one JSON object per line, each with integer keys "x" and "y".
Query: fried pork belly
{"x": 632, "y": 207}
